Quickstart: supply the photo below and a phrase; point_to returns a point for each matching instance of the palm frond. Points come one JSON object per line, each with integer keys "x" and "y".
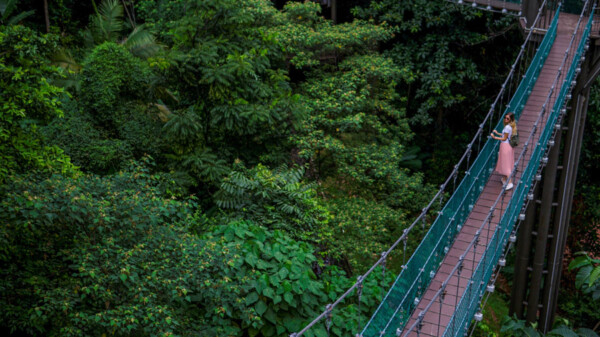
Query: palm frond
{"x": 18, "y": 18}
{"x": 6, "y": 7}
{"x": 164, "y": 112}
{"x": 141, "y": 42}
{"x": 107, "y": 23}
{"x": 63, "y": 58}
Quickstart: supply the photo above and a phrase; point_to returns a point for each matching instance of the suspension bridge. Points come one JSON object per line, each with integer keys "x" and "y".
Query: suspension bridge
{"x": 473, "y": 220}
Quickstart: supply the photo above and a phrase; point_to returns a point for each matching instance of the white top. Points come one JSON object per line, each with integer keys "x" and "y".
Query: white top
{"x": 507, "y": 129}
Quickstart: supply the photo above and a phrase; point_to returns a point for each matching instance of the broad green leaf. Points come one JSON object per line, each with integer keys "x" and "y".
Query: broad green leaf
{"x": 251, "y": 298}
{"x": 583, "y": 332}
{"x": 283, "y": 273}
{"x": 268, "y": 292}
{"x": 594, "y": 275}
{"x": 260, "y": 307}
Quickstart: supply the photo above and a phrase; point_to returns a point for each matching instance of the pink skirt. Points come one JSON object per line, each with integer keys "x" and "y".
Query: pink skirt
{"x": 506, "y": 159}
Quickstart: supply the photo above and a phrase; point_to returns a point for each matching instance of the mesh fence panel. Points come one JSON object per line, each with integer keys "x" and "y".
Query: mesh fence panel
{"x": 469, "y": 302}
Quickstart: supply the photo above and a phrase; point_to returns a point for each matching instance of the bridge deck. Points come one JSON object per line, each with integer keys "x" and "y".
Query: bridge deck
{"x": 434, "y": 324}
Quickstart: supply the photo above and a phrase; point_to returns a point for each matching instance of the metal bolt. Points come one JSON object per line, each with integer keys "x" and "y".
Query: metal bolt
{"x": 512, "y": 238}
{"x": 478, "y": 316}
{"x": 502, "y": 262}
{"x": 522, "y": 216}
{"x": 490, "y": 288}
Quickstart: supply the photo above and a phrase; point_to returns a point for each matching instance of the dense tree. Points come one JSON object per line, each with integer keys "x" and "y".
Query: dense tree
{"x": 276, "y": 199}
{"x": 286, "y": 157}
{"x": 28, "y": 101}
{"x": 455, "y": 59}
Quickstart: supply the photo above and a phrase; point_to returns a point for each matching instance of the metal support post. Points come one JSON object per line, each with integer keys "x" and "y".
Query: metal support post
{"x": 521, "y": 281}
{"x": 542, "y": 231}
{"x": 565, "y": 196}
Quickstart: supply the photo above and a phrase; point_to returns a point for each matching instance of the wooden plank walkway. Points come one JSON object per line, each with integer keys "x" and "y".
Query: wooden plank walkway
{"x": 438, "y": 317}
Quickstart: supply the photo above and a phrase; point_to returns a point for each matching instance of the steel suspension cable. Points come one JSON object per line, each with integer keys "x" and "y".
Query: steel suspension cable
{"x": 531, "y": 140}
{"x": 438, "y": 195}
{"x": 500, "y": 95}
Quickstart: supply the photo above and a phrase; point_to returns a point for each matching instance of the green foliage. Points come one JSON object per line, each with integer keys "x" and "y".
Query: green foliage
{"x": 309, "y": 39}
{"x": 454, "y": 59}
{"x": 355, "y": 133}
{"x": 28, "y": 101}
{"x": 361, "y": 229}
{"x": 88, "y": 147}
{"x": 7, "y": 8}
{"x": 494, "y": 311}
{"x": 110, "y": 76}
{"x": 276, "y": 199}
{"x": 279, "y": 285}
{"x": 94, "y": 255}
{"x": 588, "y": 275}
{"x": 235, "y": 87}
{"x": 107, "y": 25}
{"x": 426, "y": 35}
{"x": 585, "y": 221}
{"x": 513, "y": 327}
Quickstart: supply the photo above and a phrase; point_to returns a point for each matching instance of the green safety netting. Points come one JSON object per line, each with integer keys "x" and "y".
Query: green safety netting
{"x": 469, "y": 302}
{"x": 397, "y": 305}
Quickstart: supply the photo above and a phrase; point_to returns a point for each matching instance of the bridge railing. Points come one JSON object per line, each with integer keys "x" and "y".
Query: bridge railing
{"x": 413, "y": 278}
{"x": 416, "y": 275}
{"x": 483, "y": 166}
{"x": 538, "y": 145}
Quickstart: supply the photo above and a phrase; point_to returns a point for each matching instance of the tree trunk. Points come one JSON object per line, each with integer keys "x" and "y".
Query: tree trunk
{"x": 334, "y": 11}
{"x": 46, "y": 16}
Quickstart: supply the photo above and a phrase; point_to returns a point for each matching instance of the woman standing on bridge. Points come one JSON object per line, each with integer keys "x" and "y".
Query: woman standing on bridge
{"x": 506, "y": 155}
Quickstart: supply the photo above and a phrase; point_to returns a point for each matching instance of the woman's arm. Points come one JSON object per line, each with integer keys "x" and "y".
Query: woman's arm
{"x": 503, "y": 138}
